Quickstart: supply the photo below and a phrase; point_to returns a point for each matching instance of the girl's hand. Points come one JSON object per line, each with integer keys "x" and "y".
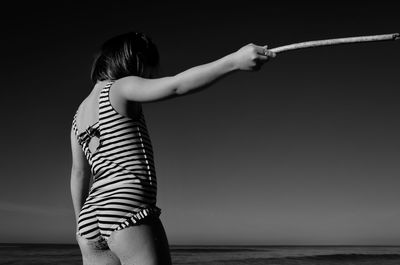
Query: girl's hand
{"x": 251, "y": 57}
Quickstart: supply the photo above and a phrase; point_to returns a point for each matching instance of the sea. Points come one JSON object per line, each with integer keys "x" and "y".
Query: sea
{"x": 64, "y": 254}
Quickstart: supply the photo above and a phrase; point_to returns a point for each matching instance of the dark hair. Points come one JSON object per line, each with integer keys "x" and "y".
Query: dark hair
{"x": 124, "y": 55}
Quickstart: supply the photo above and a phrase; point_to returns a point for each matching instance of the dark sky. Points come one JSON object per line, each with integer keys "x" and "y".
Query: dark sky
{"x": 305, "y": 151}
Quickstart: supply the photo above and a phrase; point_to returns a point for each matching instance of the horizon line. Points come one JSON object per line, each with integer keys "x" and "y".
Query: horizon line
{"x": 227, "y": 245}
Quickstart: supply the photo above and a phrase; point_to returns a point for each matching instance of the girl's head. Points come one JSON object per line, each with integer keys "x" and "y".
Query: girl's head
{"x": 128, "y": 54}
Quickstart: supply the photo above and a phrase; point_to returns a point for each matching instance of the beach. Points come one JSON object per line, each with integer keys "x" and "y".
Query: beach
{"x": 69, "y": 254}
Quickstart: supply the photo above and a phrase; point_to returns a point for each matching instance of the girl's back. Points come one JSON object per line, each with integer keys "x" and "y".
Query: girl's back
{"x": 124, "y": 181}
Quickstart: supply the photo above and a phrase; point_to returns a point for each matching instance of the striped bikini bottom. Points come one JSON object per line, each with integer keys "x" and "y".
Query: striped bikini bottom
{"x": 98, "y": 222}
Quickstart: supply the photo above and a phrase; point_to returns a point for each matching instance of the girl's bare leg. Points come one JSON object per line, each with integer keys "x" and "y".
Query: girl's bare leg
{"x": 144, "y": 244}
{"x": 96, "y": 252}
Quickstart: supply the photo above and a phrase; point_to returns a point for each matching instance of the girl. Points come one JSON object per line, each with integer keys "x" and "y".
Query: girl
{"x": 117, "y": 218}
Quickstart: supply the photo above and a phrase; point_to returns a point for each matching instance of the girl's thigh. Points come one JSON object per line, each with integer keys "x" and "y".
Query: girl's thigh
{"x": 96, "y": 252}
{"x": 144, "y": 244}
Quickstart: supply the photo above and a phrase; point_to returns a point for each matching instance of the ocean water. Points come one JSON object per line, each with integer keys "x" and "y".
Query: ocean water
{"x": 46, "y": 254}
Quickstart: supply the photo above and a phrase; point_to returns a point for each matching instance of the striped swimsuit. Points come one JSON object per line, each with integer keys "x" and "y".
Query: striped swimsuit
{"x": 124, "y": 187}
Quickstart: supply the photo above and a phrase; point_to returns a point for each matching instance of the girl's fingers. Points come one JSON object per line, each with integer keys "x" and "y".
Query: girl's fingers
{"x": 267, "y": 54}
{"x": 263, "y": 50}
{"x": 260, "y": 50}
{"x": 270, "y": 53}
{"x": 263, "y": 58}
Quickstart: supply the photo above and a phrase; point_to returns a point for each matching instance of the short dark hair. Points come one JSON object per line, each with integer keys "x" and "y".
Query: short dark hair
{"x": 124, "y": 55}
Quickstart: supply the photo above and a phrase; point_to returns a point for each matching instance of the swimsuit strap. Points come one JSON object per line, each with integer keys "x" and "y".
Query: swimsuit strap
{"x": 104, "y": 103}
{"x": 92, "y": 130}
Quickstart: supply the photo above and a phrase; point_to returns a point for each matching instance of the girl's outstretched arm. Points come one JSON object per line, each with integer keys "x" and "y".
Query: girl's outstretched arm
{"x": 249, "y": 58}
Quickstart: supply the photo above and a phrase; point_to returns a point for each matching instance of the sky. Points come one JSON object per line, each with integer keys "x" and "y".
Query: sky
{"x": 304, "y": 151}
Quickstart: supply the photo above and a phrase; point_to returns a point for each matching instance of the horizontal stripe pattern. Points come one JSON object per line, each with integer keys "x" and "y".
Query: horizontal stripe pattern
{"x": 124, "y": 187}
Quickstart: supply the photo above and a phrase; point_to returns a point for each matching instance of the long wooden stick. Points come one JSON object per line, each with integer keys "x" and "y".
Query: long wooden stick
{"x": 316, "y": 43}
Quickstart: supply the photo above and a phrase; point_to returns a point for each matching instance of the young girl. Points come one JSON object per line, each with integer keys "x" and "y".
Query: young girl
{"x": 113, "y": 180}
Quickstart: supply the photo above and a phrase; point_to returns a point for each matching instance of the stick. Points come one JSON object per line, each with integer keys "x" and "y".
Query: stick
{"x": 310, "y": 44}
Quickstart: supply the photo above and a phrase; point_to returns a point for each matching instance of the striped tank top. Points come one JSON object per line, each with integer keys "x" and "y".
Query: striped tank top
{"x": 124, "y": 187}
